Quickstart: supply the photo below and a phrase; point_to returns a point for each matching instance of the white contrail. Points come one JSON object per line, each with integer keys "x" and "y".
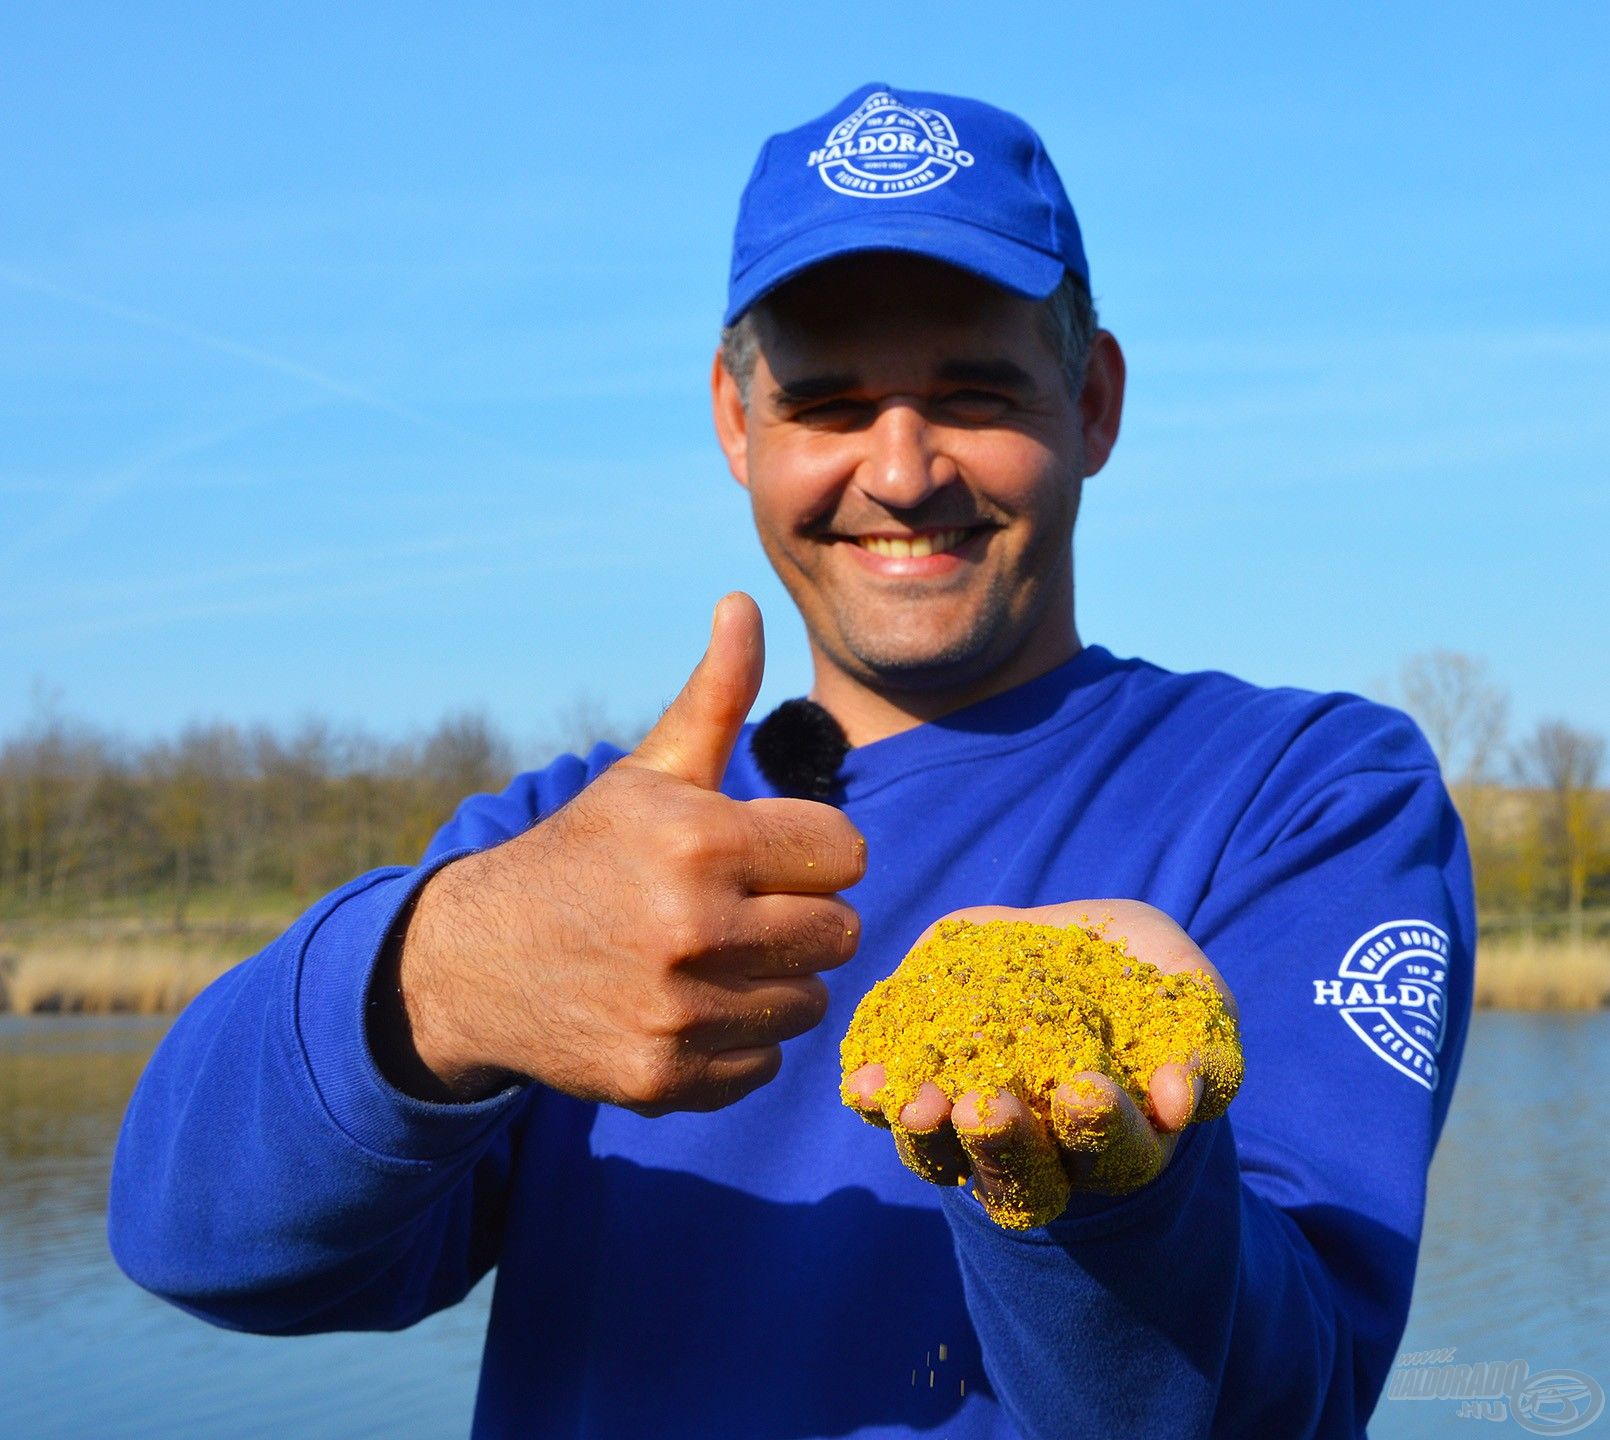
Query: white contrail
{"x": 67, "y": 519}
{"x": 72, "y": 515}
{"x": 223, "y": 345}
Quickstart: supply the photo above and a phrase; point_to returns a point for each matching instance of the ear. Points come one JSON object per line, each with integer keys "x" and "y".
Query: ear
{"x": 732, "y": 420}
{"x": 1101, "y": 402}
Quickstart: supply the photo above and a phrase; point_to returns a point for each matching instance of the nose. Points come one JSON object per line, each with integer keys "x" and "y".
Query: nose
{"x": 902, "y": 465}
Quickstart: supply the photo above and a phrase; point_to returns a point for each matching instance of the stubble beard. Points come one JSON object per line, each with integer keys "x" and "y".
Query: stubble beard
{"x": 903, "y": 655}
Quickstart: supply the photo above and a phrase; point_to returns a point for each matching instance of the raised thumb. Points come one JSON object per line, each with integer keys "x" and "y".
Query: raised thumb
{"x": 694, "y": 738}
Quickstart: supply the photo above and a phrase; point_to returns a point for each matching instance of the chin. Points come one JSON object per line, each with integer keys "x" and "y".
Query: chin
{"x": 934, "y": 664}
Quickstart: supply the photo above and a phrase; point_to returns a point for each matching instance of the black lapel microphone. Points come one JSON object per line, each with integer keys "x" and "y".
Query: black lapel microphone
{"x": 799, "y": 748}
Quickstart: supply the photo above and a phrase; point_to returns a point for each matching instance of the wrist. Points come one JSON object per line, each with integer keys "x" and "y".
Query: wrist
{"x": 414, "y": 1034}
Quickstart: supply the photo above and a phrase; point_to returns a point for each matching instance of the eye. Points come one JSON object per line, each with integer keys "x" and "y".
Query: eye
{"x": 975, "y": 407}
{"x": 834, "y": 413}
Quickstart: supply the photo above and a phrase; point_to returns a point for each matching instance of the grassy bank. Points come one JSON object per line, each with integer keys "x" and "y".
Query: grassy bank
{"x": 129, "y": 966}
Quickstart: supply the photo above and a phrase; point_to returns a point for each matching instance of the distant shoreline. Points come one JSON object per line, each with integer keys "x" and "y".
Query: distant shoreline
{"x": 81, "y": 967}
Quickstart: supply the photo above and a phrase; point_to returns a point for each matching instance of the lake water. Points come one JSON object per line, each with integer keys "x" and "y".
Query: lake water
{"x": 1515, "y": 1265}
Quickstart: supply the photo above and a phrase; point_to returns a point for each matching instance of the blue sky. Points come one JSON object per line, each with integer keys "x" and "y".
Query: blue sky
{"x": 353, "y": 359}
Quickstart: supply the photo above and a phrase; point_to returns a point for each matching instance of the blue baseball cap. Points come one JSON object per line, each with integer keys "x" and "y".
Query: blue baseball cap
{"x": 886, "y": 169}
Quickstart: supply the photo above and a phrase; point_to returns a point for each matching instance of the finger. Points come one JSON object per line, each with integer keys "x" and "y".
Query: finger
{"x": 1222, "y": 1068}
{"x": 1176, "y": 1095}
{"x": 860, "y": 1092}
{"x": 740, "y": 1013}
{"x": 926, "y": 1141}
{"x": 801, "y": 846}
{"x": 732, "y": 1074}
{"x": 1017, "y": 1172}
{"x": 1107, "y": 1144}
{"x": 779, "y": 935}
{"x": 694, "y": 737}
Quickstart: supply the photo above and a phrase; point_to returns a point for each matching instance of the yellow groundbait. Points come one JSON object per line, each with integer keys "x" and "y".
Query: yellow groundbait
{"x": 1019, "y": 1007}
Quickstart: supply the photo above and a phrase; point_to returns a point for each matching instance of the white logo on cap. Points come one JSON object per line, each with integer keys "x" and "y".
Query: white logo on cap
{"x": 1391, "y": 987}
{"x": 886, "y": 149}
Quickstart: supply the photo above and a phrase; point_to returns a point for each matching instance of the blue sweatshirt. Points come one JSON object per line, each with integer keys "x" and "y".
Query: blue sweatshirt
{"x": 770, "y": 1271}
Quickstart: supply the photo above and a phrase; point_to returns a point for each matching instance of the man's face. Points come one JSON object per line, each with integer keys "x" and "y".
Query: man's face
{"x": 914, "y": 459}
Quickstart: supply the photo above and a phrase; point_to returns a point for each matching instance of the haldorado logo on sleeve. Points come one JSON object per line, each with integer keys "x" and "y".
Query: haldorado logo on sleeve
{"x": 887, "y": 149}
{"x": 1391, "y": 987}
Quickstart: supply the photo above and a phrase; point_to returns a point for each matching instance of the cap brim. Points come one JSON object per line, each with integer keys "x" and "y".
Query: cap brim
{"x": 1008, "y": 263}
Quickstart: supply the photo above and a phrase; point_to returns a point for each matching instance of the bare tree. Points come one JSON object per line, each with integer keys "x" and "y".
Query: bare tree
{"x": 465, "y": 754}
{"x": 1464, "y": 714}
{"x": 1565, "y": 763}
{"x": 180, "y": 810}
{"x": 585, "y": 722}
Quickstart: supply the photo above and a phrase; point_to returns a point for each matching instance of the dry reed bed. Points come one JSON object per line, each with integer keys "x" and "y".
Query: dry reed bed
{"x": 117, "y": 970}
{"x": 129, "y": 970}
{"x": 1521, "y": 974}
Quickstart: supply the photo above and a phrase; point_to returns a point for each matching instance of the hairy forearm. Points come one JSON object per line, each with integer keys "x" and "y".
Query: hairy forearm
{"x": 413, "y": 1033}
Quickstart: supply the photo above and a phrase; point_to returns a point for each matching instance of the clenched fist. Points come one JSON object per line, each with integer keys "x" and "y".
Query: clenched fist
{"x": 650, "y": 944}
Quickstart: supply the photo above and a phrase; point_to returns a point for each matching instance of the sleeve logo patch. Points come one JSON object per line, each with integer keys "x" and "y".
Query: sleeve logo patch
{"x": 1390, "y": 988}
{"x": 886, "y": 149}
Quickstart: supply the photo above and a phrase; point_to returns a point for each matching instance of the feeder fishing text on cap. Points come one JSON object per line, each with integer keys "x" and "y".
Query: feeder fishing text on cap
{"x": 885, "y": 169}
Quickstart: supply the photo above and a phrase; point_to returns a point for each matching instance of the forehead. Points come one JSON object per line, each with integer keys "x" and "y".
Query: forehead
{"x": 875, "y": 309}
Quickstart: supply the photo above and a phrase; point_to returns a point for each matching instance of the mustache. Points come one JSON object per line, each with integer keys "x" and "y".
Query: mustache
{"x": 912, "y": 521}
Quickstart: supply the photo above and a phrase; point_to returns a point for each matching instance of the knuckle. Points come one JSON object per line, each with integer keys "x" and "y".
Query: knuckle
{"x": 686, "y": 939}
{"x": 665, "y": 1017}
{"x": 696, "y": 834}
{"x": 689, "y": 847}
{"x": 650, "y": 1081}
{"x": 685, "y": 928}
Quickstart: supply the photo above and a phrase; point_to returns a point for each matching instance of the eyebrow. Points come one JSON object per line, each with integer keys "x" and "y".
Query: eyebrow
{"x": 1007, "y": 374}
{"x": 812, "y": 387}
{"x": 1002, "y": 373}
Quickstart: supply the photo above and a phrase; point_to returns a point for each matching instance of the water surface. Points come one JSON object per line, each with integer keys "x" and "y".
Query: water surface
{"x": 1515, "y": 1262}
{"x": 86, "y": 1353}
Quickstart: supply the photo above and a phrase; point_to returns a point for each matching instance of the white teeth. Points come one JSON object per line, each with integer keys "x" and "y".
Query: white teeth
{"x": 914, "y": 548}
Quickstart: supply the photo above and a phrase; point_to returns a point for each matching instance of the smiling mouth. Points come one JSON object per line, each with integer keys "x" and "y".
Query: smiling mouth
{"x": 915, "y": 547}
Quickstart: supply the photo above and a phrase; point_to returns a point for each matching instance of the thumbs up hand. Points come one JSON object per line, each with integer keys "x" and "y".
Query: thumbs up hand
{"x": 650, "y": 944}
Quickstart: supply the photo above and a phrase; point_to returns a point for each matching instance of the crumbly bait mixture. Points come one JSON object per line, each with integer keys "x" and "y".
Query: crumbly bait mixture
{"x": 1015, "y": 1006}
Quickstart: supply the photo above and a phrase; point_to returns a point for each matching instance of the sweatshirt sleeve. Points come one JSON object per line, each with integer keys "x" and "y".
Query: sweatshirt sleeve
{"x": 1261, "y": 1285}
{"x": 268, "y": 1177}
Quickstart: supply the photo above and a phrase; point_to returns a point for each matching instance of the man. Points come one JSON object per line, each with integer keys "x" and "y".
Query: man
{"x": 593, "y": 1038}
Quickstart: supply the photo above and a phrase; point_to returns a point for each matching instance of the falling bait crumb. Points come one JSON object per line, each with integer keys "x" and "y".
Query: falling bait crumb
{"x": 1014, "y": 1006}
{"x": 944, "y": 1350}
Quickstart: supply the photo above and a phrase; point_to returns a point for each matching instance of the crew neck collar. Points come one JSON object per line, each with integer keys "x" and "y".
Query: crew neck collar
{"x": 1006, "y": 721}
